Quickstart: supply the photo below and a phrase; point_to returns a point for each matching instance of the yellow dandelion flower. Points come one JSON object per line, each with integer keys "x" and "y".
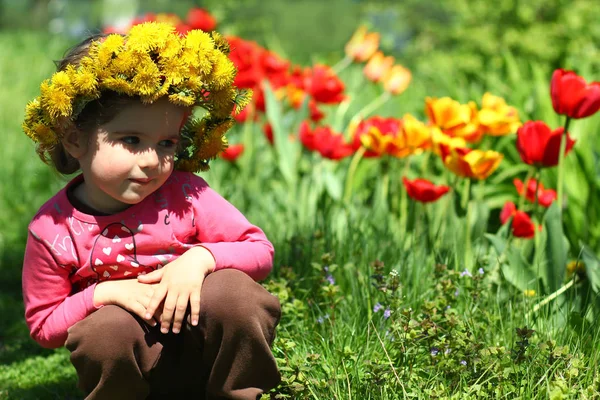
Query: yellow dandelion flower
{"x": 149, "y": 36}
{"x": 125, "y": 63}
{"x": 199, "y": 52}
{"x": 104, "y": 51}
{"x": 242, "y": 99}
{"x": 57, "y": 103}
{"x": 61, "y": 81}
{"x": 211, "y": 143}
{"x": 529, "y": 293}
{"x": 172, "y": 48}
{"x": 118, "y": 85}
{"x": 223, "y": 72}
{"x": 86, "y": 82}
{"x": 174, "y": 70}
{"x": 146, "y": 79}
{"x": 223, "y": 101}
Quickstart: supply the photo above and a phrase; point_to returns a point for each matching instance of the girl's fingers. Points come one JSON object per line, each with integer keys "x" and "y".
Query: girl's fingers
{"x": 168, "y": 311}
{"x": 152, "y": 277}
{"x": 138, "y": 309}
{"x": 180, "y": 308}
{"x": 159, "y": 294}
{"x": 195, "y": 307}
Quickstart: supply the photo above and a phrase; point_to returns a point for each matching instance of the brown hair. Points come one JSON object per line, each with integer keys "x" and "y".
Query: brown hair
{"x": 94, "y": 114}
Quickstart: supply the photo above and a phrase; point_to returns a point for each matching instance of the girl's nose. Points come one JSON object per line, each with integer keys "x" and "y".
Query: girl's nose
{"x": 149, "y": 159}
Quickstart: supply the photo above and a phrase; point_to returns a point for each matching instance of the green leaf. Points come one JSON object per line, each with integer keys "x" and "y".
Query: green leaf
{"x": 556, "y": 249}
{"x": 592, "y": 268}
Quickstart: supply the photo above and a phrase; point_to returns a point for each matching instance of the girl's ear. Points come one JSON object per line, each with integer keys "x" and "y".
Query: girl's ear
{"x": 75, "y": 142}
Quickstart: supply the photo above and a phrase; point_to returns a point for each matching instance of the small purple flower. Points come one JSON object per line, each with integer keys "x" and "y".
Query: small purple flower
{"x": 434, "y": 351}
{"x": 456, "y": 292}
{"x": 326, "y": 268}
{"x": 480, "y": 270}
{"x": 466, "y": 273}
{"x": 377, "y": 307}
{"x": 330, "y": 280}
{"x": 320, "y": 320}
{"x": 387, "y": 313}
{"x": 463, "y": 363}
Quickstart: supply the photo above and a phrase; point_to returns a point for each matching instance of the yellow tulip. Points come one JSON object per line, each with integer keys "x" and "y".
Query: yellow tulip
{"x": 453, "y": 118}
{"x": 362, "y": 44}
{"x": 496, "y": 117}
{"x": 470, "y": 163}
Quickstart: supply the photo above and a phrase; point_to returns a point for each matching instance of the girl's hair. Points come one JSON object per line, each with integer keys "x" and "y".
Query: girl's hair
{"x": 94, "y": 114}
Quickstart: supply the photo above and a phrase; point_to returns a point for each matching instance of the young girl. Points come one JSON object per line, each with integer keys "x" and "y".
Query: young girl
{"x": 144, "y": 272}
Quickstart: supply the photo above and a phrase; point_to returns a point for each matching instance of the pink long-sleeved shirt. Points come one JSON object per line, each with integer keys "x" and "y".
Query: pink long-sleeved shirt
{"x": 69, "y": 252}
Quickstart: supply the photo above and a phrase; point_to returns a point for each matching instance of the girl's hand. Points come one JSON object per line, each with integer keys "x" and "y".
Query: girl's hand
{"x": 128, "y": 294}
{"x": 180, "y": 282}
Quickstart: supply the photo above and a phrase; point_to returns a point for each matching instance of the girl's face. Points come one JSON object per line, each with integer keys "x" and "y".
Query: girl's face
{"x": 129, "y": 157}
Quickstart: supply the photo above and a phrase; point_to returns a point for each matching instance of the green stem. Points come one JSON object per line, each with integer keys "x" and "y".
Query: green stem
{"x": 351, "y": 171}
{"x": 370, "y": 107}
{"x": 468, "y": 225}
{"x": 561, "y": 159}
{"x": 342, "y": 64}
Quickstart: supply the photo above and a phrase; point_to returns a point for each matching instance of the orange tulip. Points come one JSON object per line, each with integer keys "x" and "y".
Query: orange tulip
{"x": 470, "y": 163}
{"x": 453, "y": 118}
{"x": 378, "y": 66}
{"x": 362, "y": 44}
{"x": 396, "y": 80}
{"x": 232, "y": 152}
{"x": 496, "y": 117}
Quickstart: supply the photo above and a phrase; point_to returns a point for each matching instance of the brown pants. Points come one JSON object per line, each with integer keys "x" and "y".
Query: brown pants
{"x": 226, "y": 356}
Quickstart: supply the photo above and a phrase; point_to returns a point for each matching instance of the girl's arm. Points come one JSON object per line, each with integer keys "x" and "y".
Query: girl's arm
{"x": 50, "y": 308}
{"x": 233, "y": 241}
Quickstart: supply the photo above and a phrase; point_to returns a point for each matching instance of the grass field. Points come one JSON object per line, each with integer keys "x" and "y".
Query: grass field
{"x": 374, "y": 307}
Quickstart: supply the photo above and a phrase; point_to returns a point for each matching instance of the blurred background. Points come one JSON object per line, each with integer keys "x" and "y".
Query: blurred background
{"x": 430, "y": 37}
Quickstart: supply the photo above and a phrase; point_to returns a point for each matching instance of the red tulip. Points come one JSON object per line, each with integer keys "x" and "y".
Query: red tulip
{"x": 522, "y": 226}
{"x": 572, "y": 96}
{"x": 544, "y": 197}
{"x": 324, "y": 85}
{"x": 423, "y": 190}
{"x": 323, "y": 140}
{"x": 232, "y": 152}
{"x": 538, "y": 145}
{"x": 199, "y": 18}
{"x": 508, "y": 211}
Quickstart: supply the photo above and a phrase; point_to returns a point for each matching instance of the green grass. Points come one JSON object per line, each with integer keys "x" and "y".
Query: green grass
{"x": 330, "y": 344}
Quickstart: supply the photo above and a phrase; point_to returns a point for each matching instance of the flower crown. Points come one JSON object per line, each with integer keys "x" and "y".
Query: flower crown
{"x": 150, "y": 62}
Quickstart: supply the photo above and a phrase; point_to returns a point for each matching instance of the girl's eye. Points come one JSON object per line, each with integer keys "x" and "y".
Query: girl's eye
{"x": 169, "y": 144}
{"x": 130, "y": 140}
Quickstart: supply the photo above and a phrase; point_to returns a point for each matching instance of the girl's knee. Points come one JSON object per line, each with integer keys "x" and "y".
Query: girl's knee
{"x": 232, "y": 295}
{"x": 109, "y": 327}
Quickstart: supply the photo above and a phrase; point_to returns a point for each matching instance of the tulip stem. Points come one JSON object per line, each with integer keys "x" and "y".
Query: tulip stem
{"x": 351, "y": 170}
{"x": 342, "y": 64}
{"x": 468, "y": 216}
{"x": 561, "y": 167}
{"x": 369, "y": 108}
